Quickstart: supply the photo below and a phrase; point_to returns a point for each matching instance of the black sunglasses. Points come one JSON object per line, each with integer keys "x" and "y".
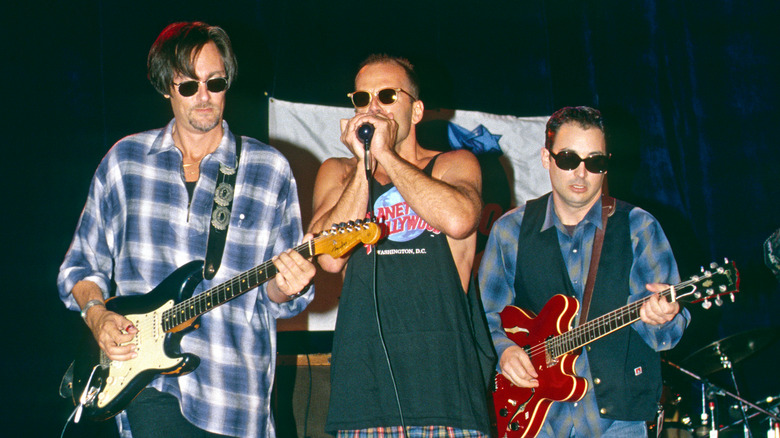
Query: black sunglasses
{"x": 214, "y": 85}
{"x": 387, "y": 96}
{"x": 568, "y": 160}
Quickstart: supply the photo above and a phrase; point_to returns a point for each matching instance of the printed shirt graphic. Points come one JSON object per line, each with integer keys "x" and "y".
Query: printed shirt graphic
{"x": 403, "y": 224}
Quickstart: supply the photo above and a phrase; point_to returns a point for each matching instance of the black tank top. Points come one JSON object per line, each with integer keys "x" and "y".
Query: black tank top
{"x": 425, "y": 327}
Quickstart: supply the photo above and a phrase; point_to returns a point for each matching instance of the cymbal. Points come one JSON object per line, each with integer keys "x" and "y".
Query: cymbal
{"x": 733, "y": 348}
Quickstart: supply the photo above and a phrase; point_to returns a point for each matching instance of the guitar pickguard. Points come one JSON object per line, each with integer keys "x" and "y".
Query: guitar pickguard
{"x": 150, "y": 346}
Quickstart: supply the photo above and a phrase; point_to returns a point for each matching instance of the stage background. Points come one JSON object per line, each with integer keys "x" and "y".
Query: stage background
{"x": 690, "y": 89}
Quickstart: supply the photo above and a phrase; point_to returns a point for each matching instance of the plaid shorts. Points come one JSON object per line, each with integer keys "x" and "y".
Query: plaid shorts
{"x": 411, "y": 432}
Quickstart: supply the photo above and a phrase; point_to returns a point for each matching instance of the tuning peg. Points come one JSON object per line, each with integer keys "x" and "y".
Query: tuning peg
{"x": 706, "y": 303}
{"x": 718, "y": 301}
{"x": 713, "y": 265}
{"x": 709, "y": 291}
{"x": 733, "y": 298}
{"x": 697, "y": 294}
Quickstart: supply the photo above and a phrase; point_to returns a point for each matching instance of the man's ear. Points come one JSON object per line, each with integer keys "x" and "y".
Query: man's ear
{"x": 418, "y": 110}
{"x": 545, "y": 158}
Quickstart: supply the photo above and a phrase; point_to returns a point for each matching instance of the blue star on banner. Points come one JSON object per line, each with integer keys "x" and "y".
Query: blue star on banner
{"x": 478, "y": 141}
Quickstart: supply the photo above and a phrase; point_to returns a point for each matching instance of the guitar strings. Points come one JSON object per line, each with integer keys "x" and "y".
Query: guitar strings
{"x": 567, "y": 341}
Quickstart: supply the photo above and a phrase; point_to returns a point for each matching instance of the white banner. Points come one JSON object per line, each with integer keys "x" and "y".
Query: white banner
{"x": 309, "y": 134}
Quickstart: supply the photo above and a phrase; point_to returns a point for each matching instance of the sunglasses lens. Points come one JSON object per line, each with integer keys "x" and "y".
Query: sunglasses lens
{"x": 361, "y": 99}
{"x": 188, "y": 88}
{"x": 567, "y": 160}
{"x": 387, "y": 96}
{"x": 216, "y": 85}
{"x": 597, "y": 163}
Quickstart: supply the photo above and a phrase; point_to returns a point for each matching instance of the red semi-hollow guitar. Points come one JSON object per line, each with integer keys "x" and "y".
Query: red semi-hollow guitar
{"x": 553, "y": 345}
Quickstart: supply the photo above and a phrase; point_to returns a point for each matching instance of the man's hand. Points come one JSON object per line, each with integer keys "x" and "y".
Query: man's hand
{"x": 113, "y": 333}
{"x": 658, "y": 310}
{"x": 383, "y": 140}
{"x": 295, "y": 272}
{"x": 517, "y": 367}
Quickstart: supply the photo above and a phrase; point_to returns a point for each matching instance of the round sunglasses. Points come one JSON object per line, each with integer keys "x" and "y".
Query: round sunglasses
{"x": 386, "y": 96}
{"x": 189, "y": 88}
{"x": 568, "y": 160}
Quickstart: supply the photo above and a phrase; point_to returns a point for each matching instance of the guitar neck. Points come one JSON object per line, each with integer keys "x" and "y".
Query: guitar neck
{"x": 199, "y": 304}
{"x": 610, "y": 322}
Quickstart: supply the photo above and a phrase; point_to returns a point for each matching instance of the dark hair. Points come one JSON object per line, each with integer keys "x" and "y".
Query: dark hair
{"x": 586, "y": 117}
{"x": 379, "y": 58}
{"x": 176, "y": 47}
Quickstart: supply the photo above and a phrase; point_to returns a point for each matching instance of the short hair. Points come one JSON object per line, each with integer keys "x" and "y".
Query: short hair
{"x": 176, "y": 48}
{"x": 379, "y": 58}
{"x": 586, "y": 117}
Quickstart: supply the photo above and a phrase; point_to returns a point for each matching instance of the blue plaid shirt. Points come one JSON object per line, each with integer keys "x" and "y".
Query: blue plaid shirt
{"x": 138, "y": 226}
{"x": 653, "y": 263}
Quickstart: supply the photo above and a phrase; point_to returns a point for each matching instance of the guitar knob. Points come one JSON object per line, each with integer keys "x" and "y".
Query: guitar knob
{"x": 718, "y": 301}
{"x": 706, "y": 304}
{"x": 514, "y": 426}
{"x": 733, "y": 298}
{"x": 503, "y": 412}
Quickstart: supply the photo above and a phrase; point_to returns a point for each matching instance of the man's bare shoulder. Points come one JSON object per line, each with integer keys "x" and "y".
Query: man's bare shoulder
{"x": 338, "y": 167}
{"x": 458, "y": 162}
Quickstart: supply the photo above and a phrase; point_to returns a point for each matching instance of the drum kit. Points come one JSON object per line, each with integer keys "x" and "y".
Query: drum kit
{"x": 741, "y": 415}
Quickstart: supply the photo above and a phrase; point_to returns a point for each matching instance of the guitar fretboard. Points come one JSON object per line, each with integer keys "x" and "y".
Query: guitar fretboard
{"x": 590, "y": 331}
{"x": 233, "y": 288}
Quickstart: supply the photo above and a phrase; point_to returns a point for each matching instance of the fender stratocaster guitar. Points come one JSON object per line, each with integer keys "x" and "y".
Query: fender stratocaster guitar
{"x": 102, "y": 388}
{"x": 553, "y": 347}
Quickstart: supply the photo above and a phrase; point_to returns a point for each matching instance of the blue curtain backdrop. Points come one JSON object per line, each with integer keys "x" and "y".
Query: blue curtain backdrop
{"x": 689, "y": 88}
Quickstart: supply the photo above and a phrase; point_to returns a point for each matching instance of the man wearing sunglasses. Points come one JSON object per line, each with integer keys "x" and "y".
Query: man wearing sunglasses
{"x": 544, "y": 248}
{"x": 430, "y": 203}
{"x": 149, "y": 211}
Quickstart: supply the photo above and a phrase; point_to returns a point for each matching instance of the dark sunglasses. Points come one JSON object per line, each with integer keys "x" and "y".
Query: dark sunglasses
{"x": 568, "y": 160}
{"x": 189, "y": 88}
{"x": 387, "y": 96}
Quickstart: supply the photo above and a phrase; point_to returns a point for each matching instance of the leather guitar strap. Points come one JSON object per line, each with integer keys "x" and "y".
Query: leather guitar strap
{"x": 220, "y": 215}
{"x": 607, "y": 209}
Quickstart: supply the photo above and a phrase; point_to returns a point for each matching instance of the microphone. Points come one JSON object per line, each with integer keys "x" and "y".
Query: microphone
{"x": 365, "y": 132}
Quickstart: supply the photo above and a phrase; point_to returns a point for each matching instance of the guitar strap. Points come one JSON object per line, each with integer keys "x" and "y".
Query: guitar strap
{"x": 607, "y": 209}
{"x": 220, "y": 215}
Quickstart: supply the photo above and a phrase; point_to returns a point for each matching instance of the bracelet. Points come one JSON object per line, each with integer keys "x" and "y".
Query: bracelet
{"x": 89, "y": 304}
{"x": 301, "y": 293}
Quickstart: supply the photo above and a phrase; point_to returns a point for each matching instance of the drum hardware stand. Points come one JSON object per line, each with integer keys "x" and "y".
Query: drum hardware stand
{"x": 744, "y": 404}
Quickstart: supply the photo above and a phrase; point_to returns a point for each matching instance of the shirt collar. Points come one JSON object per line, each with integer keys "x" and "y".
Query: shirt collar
{"x": 224, "y": 154}
{"x": 551, "y": 218}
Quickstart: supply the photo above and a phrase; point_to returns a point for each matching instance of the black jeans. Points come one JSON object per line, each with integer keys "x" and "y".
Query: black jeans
{"x": 155, "y": 414}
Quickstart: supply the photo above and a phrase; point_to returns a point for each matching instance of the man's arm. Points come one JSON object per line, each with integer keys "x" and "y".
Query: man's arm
{"x": 448, "y": 200}
{"x": 662, "y": 323}
{"x": 340, "y": 195}
{"x": 496, "y": 280}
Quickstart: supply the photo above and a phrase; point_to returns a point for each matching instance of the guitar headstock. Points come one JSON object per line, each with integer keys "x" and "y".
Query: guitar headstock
{"x": 710, "y": 285}
{"x": 341, "y": 238}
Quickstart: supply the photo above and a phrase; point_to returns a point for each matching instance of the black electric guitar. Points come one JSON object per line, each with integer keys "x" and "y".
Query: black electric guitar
{"x": 102, "y": 388}
{"x": 553, "y": 347}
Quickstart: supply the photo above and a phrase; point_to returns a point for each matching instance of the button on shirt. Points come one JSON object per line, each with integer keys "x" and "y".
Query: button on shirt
{"x": 136, "y": 228}
{"x": 653, "y": 263}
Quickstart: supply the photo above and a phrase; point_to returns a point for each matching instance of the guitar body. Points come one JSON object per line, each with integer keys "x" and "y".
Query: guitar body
{"x": 520, "y": 412}
{"x": 117, "y": 383}
{"x": 102, "y": 388}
